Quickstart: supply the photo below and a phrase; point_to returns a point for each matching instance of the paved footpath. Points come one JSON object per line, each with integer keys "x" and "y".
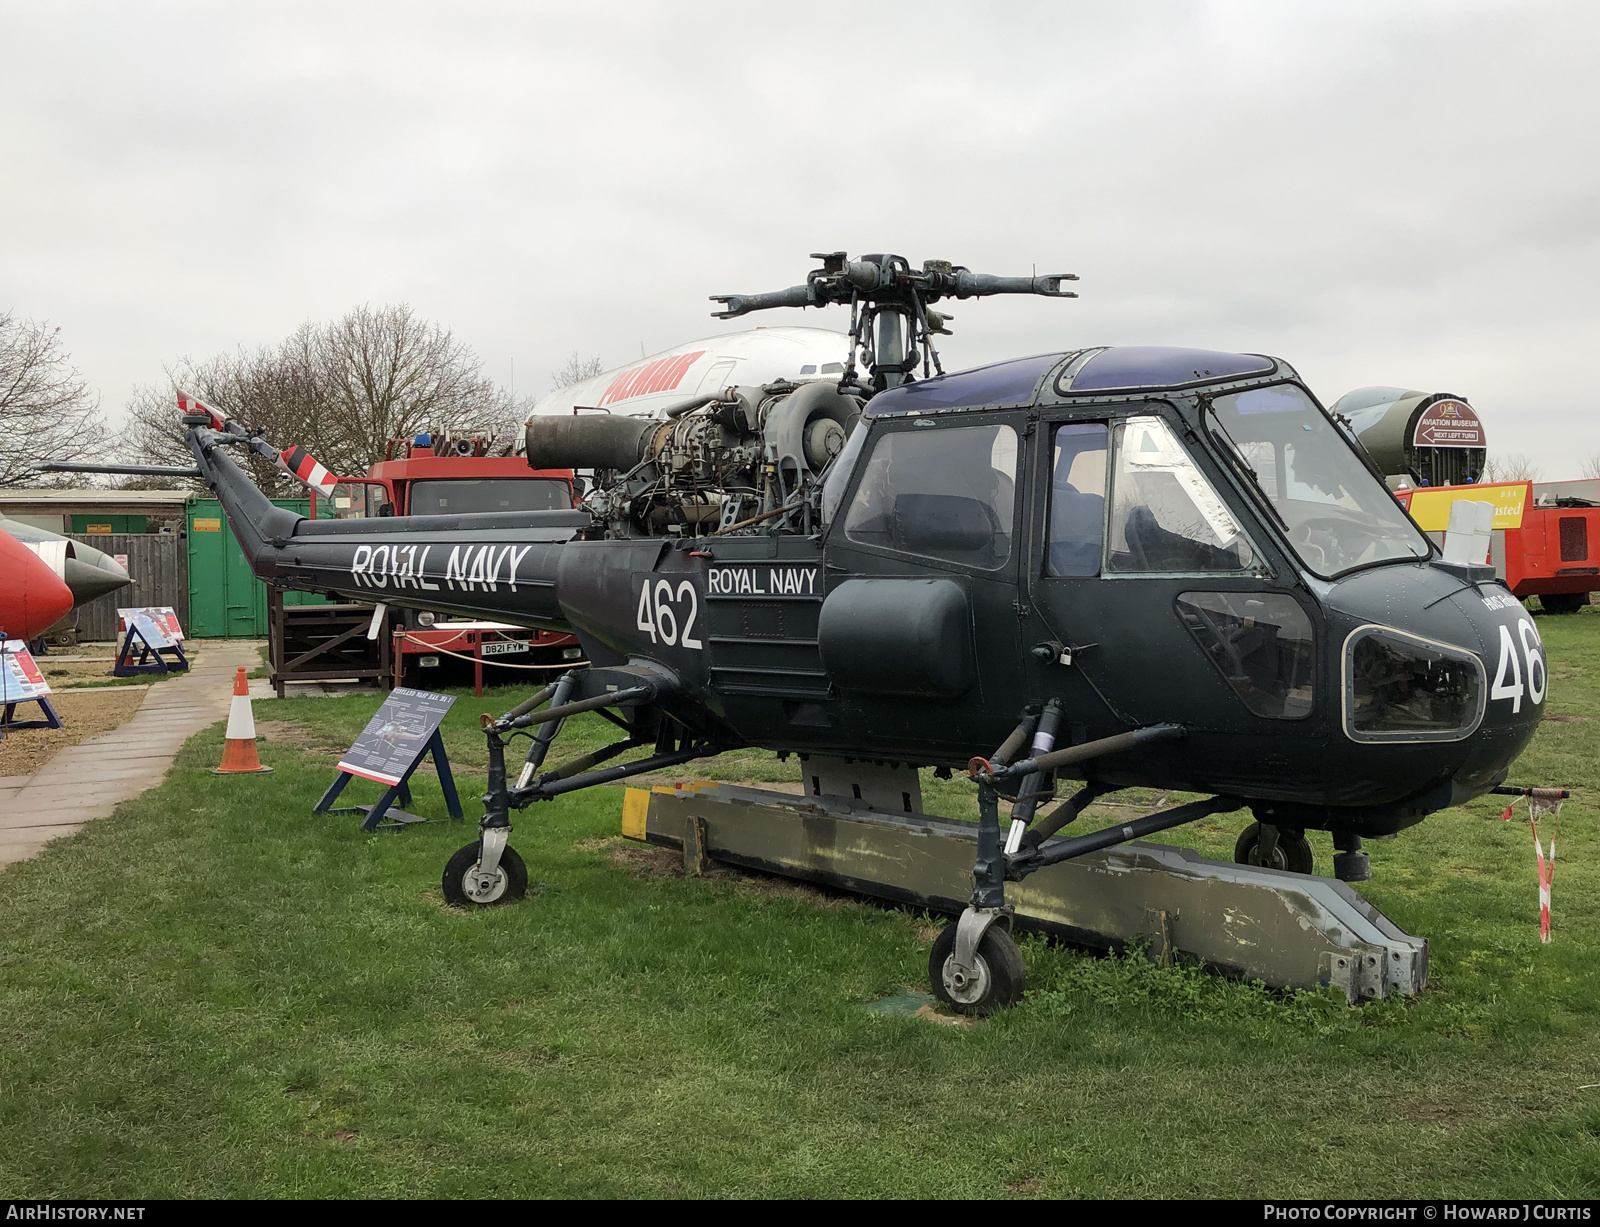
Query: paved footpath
{"x": 86, "y": 781}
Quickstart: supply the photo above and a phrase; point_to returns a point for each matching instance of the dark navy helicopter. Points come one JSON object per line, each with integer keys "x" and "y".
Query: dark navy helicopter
{"x": 1126, "y": 567}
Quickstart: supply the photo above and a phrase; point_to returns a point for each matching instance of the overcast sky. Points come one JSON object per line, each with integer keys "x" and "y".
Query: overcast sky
{"x": 1381, "y": 193}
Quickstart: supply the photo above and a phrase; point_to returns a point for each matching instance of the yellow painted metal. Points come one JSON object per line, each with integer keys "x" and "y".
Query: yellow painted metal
{"x": 635, "y": 810}
{"x": 1431, "y": 508}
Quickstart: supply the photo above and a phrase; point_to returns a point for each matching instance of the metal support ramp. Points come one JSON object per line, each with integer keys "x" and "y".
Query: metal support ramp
{"x": 1285, "y": 929}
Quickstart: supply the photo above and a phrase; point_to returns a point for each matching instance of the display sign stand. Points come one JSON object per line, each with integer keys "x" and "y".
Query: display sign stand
{"x": 21, "y": 682}
{"x": 403, "y": 732}
{"x": 7, "y": 723}
{"x": 153, "y": 645}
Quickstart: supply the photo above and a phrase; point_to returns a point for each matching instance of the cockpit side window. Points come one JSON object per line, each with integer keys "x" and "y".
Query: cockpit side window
{"x": 1165, "y": 516}
{"x": 944, "y": 492}
{"x": 1077, "y": 500}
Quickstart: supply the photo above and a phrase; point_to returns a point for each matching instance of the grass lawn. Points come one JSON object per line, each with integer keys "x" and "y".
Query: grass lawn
{"x": 216, "y": 993}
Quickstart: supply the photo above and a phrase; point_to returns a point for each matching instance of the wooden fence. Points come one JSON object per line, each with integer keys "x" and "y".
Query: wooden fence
{"x": 159, "y": 566}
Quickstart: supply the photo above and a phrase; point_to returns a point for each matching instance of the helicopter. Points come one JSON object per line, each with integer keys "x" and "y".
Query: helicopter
{"x": 1116, "y": 566}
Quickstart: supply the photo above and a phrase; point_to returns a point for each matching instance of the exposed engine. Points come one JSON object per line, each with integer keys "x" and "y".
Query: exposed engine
{"x": 745, "y": 457}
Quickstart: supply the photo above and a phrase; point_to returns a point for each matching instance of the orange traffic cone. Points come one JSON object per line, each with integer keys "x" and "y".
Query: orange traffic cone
{"x": 239, "y": 750}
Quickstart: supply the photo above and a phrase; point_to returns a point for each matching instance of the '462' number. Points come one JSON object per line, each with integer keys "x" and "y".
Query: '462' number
{"x": 663, "y": 614}
{"x": 1508, "y": 682}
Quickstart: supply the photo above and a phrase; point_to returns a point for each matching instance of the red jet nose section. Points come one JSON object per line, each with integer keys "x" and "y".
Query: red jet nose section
{"x": 32, "y": 596}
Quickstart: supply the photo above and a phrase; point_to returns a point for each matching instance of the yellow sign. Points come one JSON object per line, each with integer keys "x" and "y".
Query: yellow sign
{"x": 207, "y": 524}
{"x": 1431, "y": 508}
{"x": 99, "y": 528}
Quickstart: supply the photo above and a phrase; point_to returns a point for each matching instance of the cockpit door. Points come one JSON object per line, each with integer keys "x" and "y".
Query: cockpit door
{"x": 1148, "y": 578}
{"x": 926, "y": 538}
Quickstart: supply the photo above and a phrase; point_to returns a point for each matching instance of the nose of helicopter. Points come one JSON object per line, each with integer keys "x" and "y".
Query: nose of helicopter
{"x": 1427, "y": 657}
{"x": 1517, "y": 678}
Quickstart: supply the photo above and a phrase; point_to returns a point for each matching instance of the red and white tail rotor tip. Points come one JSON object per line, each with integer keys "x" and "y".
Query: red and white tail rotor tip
{"x": 191, "y": 406}
{"x": 304, "y": 468}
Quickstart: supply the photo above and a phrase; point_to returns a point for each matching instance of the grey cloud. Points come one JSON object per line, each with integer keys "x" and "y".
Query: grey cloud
{"x": 1380, "y": 193}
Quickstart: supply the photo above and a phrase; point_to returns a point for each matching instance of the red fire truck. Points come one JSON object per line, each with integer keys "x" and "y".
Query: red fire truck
{"x": 1546, "y": 539}
{"x": 439, "y": 476}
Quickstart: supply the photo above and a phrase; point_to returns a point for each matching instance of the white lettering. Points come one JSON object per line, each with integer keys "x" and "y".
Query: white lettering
{"x": 454, "y": 568}
{"x": 422, "y": 570}
{"x": 1503, "y": 688}
{"x": 517, "y": 555}
{"x": 360, "y": 563}
{"x": 1531, "y": 649}
{"x": 762, "y": 581}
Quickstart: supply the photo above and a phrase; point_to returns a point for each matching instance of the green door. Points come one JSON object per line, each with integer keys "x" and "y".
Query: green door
{"x": 227, "y": 601}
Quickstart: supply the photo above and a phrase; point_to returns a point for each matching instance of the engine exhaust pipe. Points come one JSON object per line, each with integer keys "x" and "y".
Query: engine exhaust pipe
{"x": 590, "y": 441}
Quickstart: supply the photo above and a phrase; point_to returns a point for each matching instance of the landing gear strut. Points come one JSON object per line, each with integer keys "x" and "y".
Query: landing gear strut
{"x": 975, "y": 966}
{"x": 488, "y": 872}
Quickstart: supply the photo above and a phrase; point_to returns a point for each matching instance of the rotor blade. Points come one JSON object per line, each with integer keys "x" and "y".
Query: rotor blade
{"x": 136, "y": 470}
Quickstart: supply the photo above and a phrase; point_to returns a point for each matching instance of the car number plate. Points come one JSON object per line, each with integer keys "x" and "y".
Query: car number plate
{"x": 504, "y": 647}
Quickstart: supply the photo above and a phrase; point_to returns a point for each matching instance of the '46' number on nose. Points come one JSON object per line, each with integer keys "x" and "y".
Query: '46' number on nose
{"x": 1508, "y": 673}
{"x": 668, "y": 615}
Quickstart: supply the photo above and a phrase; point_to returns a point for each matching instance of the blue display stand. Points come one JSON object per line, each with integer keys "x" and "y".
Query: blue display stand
{"x": 400, "y": 791}
{"x": 153, "y": 647}
{"x": 8, "y": 721}
{"x": 403, "y": 732}
{"x": 21, "y": 682}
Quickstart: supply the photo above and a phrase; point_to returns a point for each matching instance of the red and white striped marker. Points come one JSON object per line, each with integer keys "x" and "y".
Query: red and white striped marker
{"x": 239, "y": 750}
{"x": 303, "y": 467}
{"x": 1547, "y": 868}
{"x": 193, "y": 406}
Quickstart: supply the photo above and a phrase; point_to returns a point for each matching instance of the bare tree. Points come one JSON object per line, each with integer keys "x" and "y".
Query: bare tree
{"x": 1591, "y": 467}
{"x": 47, "y": 412}
{"x": 387, "y": 374}
{"x": 1516, "y": 467}
{"x": 576, "y": 370}
{"x": 340, "y": 390}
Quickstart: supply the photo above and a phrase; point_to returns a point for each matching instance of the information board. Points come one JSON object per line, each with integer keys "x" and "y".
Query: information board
{"x": 154, "y": 635}
{"x": 20, "y": 678}
{"x": 397, "y": 735}
{"x": 164, "y": 616}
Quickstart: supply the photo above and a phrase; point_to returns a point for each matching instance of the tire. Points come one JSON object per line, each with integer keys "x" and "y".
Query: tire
{"x": 511, "y": 886}
{"x": 1293, "y": 852}
{"x": 1000, "y": 972}
{"x": 1564, "y": 602}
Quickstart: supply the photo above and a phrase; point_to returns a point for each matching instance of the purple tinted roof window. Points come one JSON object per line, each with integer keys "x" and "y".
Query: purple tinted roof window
{"x": 1155, "y": 366}
{"x": 1004, "y": 383}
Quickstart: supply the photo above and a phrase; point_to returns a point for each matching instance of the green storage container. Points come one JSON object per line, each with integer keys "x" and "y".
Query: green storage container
{"x": 226, "y": 600}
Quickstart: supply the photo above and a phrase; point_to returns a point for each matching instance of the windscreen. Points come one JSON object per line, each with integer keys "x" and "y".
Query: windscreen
{"x": 1337, "y": 514}
{"x": 465, "y": 496}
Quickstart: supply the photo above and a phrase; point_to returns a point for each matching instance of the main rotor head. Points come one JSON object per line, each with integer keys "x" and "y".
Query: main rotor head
{"x": 884, "y": 289}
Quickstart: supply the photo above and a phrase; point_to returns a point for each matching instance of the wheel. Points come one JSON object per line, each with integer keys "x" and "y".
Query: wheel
{"x": 998, "y": 966}
{"x": 1563, "y": 602}
{"x": 465, "y": 887}
{"x": 1292, "y": 853}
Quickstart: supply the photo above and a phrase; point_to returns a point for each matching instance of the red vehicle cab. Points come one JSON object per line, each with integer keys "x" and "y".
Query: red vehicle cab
{"x": 1546, "y": 540}
{"x": 422, "y": 476}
